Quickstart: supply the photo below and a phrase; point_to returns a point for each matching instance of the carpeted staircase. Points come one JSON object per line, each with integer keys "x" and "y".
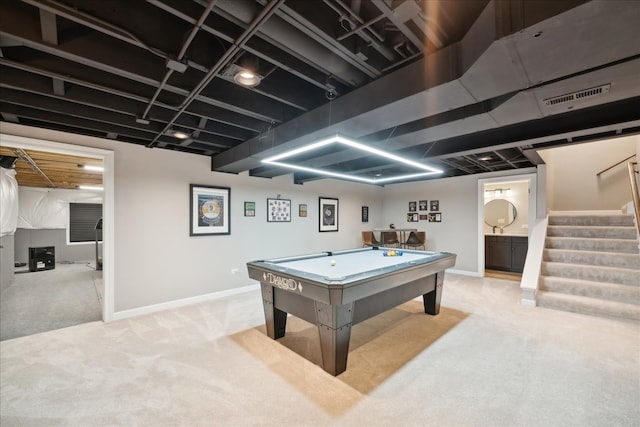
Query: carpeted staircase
{"x": 591, "y": 265}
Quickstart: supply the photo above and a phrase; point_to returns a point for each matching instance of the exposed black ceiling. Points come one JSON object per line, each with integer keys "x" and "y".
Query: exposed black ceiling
{"x": 464, "y": 86}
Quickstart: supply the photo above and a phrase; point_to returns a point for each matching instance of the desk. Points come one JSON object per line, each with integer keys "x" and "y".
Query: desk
{"x": 361, "y": 284}
{"x": 402, "y": 232}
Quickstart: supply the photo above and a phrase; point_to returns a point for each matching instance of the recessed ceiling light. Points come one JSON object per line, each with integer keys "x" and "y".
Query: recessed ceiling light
{"x": 485, "y": 158}
{"x": 179, "y": 134}
{"x": 246, "y": 78}
{"x": 425, "y": 170}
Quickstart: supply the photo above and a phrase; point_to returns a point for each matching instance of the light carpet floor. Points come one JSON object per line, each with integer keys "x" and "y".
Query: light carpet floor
{"x": 41, "y": 301}
{"x": 485, "y": 360}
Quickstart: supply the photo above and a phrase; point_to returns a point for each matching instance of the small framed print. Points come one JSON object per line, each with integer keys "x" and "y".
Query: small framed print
{"x": 412, "y": 217}
{"x": 328, "y": 214}
{"x": 249, "y": 208}
{"x": 302, "y": 210}
{"x": 434, "y": 205}
{"x": 365, "y": 214}
{"x": 209, "y": 209}
{"x": 435, "y": 217}
{"x": 424, "y": 217}
{"x": 412, "y": 207}
{"x": 278, "y": 210}
{"x": 423, "y": 205}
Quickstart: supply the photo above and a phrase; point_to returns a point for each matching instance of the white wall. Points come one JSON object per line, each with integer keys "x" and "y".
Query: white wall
{"x": 459, "y": 204}
{"x": 157, "y": 262}
{"x": 155, "y": 259}
{"x": 572, "y": 172}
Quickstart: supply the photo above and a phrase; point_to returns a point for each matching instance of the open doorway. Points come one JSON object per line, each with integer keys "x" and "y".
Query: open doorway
{"x": 105, "y": 275}
{"x": 506, "y": 213}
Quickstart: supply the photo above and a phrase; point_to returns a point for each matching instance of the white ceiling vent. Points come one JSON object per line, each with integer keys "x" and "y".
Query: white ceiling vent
{"x": 578, "y": 96}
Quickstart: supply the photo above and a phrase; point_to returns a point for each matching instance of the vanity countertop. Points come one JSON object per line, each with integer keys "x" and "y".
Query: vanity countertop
{"x": 506, "y": 234}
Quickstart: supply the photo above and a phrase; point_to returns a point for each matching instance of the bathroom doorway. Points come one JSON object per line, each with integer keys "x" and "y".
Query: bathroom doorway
{"x": 506, "y": 213}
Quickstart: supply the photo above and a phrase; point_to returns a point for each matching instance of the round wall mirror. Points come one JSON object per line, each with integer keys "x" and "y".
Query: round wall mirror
{"x": 499, "y": 213}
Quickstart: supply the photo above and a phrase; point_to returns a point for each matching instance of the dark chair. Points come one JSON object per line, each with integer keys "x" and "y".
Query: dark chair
{"x": 369, "y": 239}
{"x": 390, "y": 238}
{"x": 416, "y": 239}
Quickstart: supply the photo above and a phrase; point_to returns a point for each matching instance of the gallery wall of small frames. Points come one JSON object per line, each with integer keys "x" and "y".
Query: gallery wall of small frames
{"x": 424, "y": 210}
{"x": 280, "y": 210}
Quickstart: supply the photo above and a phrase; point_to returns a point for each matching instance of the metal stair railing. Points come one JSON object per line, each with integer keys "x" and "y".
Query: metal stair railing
{"x": 634, "y": 189}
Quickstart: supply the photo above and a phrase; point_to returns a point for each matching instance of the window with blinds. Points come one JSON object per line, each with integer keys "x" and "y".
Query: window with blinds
{"x": 83, "y": 218}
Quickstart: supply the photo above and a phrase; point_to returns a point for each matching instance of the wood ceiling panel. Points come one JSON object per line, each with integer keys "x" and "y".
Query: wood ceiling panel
{"x": 56, "y": 170}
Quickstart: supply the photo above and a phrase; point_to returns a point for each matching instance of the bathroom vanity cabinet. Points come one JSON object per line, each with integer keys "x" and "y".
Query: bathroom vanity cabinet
{"x": 506, "y": 253}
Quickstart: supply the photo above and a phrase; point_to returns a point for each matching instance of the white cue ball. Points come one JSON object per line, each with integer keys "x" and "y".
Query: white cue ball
{"x": 333, "y": 262}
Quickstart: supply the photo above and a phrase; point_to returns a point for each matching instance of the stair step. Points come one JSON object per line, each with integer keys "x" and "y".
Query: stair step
{"x": 585, "y": 288}
{"x": 586, "y": 244}
{"x": 586, "y": 305}
{"x": 622, "y": 276}
{"x": 590, "y": 220}
{"x": 594, "y": 232}
{"x": 607, "y": 259}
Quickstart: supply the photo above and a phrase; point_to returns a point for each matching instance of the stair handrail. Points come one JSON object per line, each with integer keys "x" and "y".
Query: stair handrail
{"x": 634, "y": 189}
{"x": 614, "y": 165}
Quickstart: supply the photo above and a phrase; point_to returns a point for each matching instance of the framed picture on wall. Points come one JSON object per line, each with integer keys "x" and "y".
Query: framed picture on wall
{"x": 434, "y": 205}
{"x": 365, "y": 214}
{"x": 302, "y": 210}
{"x": 423, "y": 205}
{"x": 278, "y": 210}
{"x": 412, "y": 206}
{"x": 210, "y": 210}
{"x": 328, "y": 214}
{"x": 412, "y": 217}
{"x": 249, "y": 208}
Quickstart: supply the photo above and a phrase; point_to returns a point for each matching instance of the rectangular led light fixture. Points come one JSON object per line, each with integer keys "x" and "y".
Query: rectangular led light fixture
{"x": 93, "y": 168}
{"x": 90, "y": 187}
{"x": 278, "y": 160}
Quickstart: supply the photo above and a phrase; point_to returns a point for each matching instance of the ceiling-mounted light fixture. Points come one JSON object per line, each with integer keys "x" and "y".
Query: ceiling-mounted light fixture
{"x": 179, "y": 134}
{"x": 90, "y": 188}
{"x": 247, "y": 77}
{"x": 499, "y": 192}
{"x": 92, "y": 168}
{"x": 424, "y": 170}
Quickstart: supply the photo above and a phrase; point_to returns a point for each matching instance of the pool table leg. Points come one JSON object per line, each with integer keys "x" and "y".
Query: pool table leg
{"x": 431, "y": 299}
{"x": 334, "y": 327}
{"x": 275, "y": 319}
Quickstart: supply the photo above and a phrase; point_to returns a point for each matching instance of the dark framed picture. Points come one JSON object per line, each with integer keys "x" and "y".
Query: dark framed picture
{"x": 302, "y": 210}
{"x": 434, "y": 205}
{"x": 328, "y": 214}
{"x": 423, "y": 205}
{"x": 424, "y": 217}
{"x": 278, "y": 210}
{"x": 412, "y": 217}
{"x": 210, "y": 210}
{"x": 435, "y": 217}
{"x": 413, "y": 206}
{"x": 365, "y": 214}
{"x": 249, "y": 208}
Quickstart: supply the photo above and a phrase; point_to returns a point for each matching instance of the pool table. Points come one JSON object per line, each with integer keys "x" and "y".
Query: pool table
{"x": 335, "y": 290}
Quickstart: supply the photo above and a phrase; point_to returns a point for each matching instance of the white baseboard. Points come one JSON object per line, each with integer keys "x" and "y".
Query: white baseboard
{"x": 464, "y": 272}
{"x": 125, "y": 314}
{"x": 169, "y": 305}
